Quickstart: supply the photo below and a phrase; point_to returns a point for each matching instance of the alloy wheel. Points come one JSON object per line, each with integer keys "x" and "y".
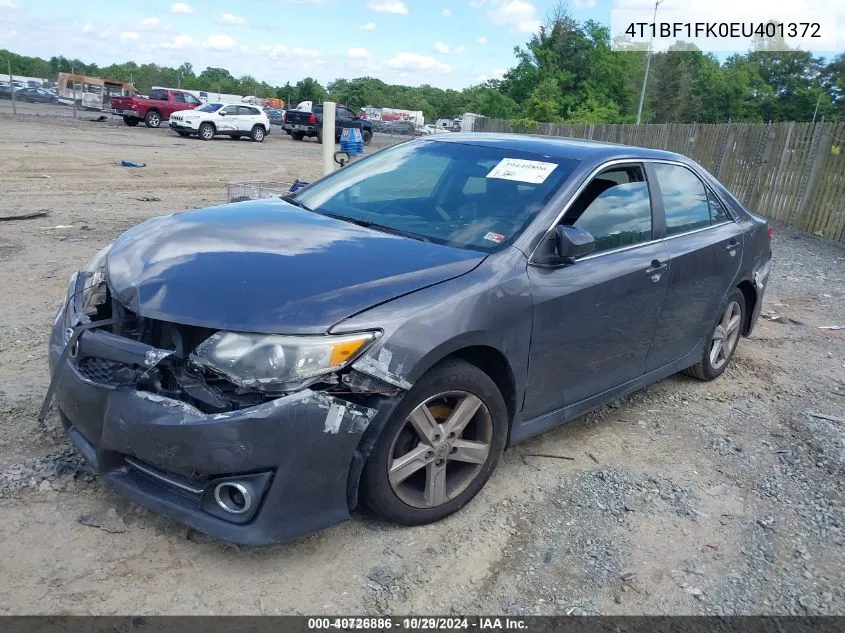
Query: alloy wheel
{"x": 440, "y": 449}
{"x": 726, "y": 335}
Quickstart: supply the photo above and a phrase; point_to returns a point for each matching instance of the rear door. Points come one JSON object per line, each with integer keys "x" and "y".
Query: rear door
{"x": 345, "y": 118}
{"x": 594, "y": 319}
{"x": 247, "y": 117}
{"x": 705, "y": 249}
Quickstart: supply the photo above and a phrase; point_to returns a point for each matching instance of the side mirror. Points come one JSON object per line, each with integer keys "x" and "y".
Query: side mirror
{"x": 563, "y": 245}
{"x": 573, "y": 243}
{"x": 222, "y": 113}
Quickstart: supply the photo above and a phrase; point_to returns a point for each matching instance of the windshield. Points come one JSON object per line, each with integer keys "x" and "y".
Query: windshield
{"x": 463, "y": 195}
{"x": 210, "y": 107}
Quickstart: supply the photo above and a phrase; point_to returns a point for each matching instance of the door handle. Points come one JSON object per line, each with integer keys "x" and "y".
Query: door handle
{"x": 656, "y": 269}
{"x": 732, "y": 245}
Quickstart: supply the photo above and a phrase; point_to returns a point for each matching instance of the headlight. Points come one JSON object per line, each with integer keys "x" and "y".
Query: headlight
{"x": 268, "y": 361}
{"x": 95, "y": 292}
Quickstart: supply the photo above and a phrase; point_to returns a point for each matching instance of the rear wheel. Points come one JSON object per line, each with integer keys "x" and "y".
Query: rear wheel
{"x": 439, "y": 448}
{"x": 721, "y": 344}
{"x": 153, "y": 119}
{"x": 206, "y": 131}
{"x": 257, "y": 133}
{"x": 367, "y": 136}
{"x": 131, "y": 121}
{"x": 298, "y": 136}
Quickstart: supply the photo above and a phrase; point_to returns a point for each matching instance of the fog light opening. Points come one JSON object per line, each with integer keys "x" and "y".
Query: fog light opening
{"x": 233, "y": 497}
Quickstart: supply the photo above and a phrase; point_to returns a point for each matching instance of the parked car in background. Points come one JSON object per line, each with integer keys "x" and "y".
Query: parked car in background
{"x": 154, "y": 108}
{"x": 6, "y": 91}
{"x": 255, "y": 369}
{"x": 300, "y": 124}
{"x": 36, "y": 95}
{"x": 212, "y": 119}
{"x": 276, "y": 115}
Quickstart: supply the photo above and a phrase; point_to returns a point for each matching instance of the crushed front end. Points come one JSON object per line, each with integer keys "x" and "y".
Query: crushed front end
{"x": 248, "y": 465}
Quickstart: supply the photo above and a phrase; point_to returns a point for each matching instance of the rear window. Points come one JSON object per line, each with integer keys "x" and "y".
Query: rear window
{"x": 464, "y": 195}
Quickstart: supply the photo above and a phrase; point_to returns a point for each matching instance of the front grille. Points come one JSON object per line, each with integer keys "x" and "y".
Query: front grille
{"x": 99, "y": 369}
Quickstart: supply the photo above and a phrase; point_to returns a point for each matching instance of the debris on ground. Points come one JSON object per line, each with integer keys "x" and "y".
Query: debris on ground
{"x": 24, "y": 216}
{"x": 106, "y": 519}
{"x": 126, "y": 163}
{"x": 148, "y": 199}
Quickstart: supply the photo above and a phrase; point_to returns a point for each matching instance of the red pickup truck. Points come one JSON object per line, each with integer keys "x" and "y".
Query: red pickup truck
{"x": 154, "y": 108}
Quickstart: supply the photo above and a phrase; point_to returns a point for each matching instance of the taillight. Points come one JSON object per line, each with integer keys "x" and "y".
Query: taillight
{"x": 771, "y": 232}
{"x": 312, "y": 120}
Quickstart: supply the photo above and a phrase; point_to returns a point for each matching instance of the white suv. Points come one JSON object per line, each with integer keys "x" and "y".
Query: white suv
{"x": 211, "y": 119}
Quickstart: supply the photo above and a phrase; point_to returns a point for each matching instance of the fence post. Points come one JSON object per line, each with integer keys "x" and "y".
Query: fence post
{"x": 764, "y": 152}
{"x": 728, "y": 142}
{"x": 811, "y": 174}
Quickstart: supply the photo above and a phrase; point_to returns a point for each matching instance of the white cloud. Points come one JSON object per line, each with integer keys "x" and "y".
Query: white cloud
{"x": 481, "y": 40}
{"x": 447, "y": 13}
{"x": 179, "y": 42}
{"x": 440, "y": 47}
{"x": 129, "y": 36}
{"x": 305, "y": 52}
{"x": 387, "y": 6}
{"x": 460, "y": 49}
{"x": 496, "y": 73}
{"x": 87, "y": 28}
{"x": 182, "y": 8}
{"x": 369, "y": 26}
{"x": 477, "y": 4}
{"x": 518, "y": 14}
{"x": 151, "y": 21}
{"x": 358, "y": 53}
{"x": 8, "y": 4}
{"x": 417, "y": 62}
{"x": 231, "y": 18}
{"x": 584, "y": 3}
{"x": 220, "y": 42}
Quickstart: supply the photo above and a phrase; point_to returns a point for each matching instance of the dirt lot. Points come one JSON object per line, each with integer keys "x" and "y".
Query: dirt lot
{"x": 686, "y": 498}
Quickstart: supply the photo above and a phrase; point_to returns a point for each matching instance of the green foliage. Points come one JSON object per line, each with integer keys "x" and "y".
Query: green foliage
{"x": 567, "y": 71}
{"x": 525, "y": 126}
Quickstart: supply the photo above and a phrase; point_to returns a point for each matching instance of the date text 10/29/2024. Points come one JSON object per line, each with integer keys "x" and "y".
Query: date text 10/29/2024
{"x": 417, "y": 624}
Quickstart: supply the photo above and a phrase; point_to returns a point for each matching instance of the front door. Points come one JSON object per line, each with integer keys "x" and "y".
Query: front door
{"x": 229, "y": 120}
{"x": 705, "y": 251}
{"x": 594, "y": 319}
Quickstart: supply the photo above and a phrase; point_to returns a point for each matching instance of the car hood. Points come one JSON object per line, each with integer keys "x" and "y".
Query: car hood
{"x": 268, "y": 266}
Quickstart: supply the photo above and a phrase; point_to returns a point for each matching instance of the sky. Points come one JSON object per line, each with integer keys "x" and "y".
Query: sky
{"x": 445, "y": 43}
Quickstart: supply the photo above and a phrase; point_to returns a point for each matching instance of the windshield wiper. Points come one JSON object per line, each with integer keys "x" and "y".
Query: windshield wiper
{"x": 379, "y": 227}
{"x": 296, "y": 203}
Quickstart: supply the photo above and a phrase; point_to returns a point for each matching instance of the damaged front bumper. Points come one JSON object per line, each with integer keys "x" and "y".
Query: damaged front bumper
{"x": 254, "y": 475}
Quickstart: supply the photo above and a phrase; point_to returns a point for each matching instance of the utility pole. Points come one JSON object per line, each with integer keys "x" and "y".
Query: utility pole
{"x": 73, "y": 81}
{"x": 12, "y": 87}
{"x": 816, "y": 111}
{"x": 647, "y": 63}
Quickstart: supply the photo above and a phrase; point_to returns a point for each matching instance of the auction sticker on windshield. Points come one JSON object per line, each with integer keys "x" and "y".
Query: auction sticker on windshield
{"x": 520, "y": 170}
{"x": 495, "y": 237}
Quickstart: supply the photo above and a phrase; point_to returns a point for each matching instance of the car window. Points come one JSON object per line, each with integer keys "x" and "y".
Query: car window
{"x": 189, "y": 98}
{"x": 424, "y": 188}
{"x": 230, "y": 109}
{"x": 718, "y": 213}
{"x": 158, "y": 95}
{"x": 684, "y": 199}
{"x": 247, "y": 110}
{"x": 210, "y": 107}
{"x": 179, "y": 97}
{"x": 614, "y": 208}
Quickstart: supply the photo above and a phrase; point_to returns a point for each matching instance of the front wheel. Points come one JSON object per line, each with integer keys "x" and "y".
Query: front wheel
{"x": 257, "y": 133}
{"x": 206, "y": 131}
{"x": 720, "y": 346}
{"x": 439, "y": 448}
{"x": 153, "y": 119}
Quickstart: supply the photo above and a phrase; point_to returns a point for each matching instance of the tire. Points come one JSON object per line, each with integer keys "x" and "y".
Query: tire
{"x": 319, "y": 136}
{"x": 716, "y": 357}
{"x": 206, "y": 131}
{"x": 367, "y": 136}
{"x": 153, "y": 119}
{"x": 412, "y": 500}
{"x": 258, "y": 133}
{"x": 298, "y": 136}
{"x": 131, "y": 121}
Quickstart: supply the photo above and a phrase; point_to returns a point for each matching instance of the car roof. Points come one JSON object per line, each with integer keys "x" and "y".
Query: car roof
{"x": 558, "y": 146}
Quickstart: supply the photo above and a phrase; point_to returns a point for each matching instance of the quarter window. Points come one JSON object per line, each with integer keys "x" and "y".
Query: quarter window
{"x": 718, "y": 213}
{"x": 614, "y": 208}
{"x": 684, "y": 199}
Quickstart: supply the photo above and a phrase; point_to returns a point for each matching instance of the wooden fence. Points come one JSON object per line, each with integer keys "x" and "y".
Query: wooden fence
{"x": 788, "y": 172}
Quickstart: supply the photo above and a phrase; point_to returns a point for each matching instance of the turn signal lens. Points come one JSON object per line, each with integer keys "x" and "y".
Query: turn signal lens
{"x": 342, "y": 352}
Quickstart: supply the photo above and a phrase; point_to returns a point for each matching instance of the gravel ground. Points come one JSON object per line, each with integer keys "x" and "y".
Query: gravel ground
{"x": 685, "y": 498}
